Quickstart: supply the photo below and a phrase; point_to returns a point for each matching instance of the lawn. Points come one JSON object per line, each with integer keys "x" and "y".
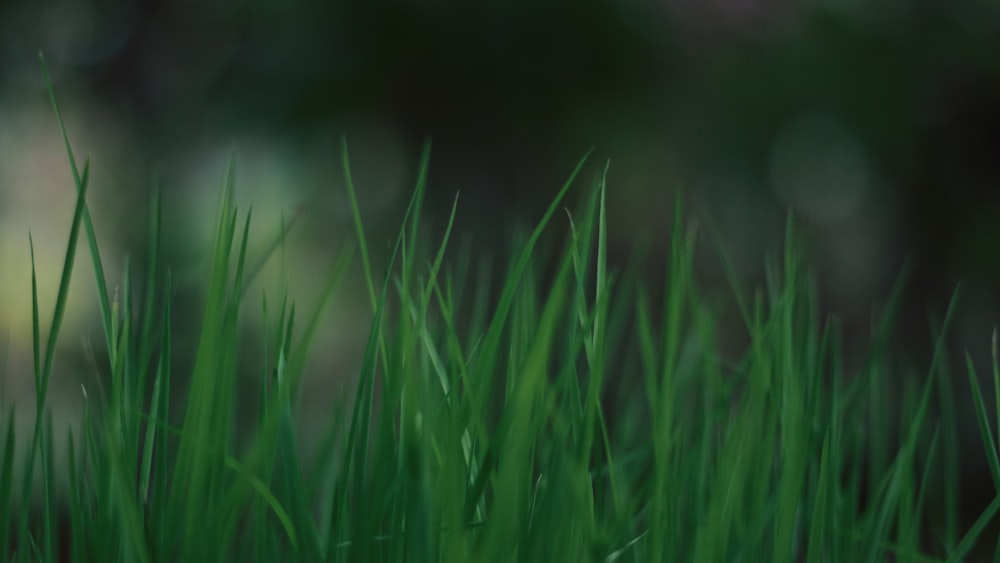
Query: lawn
{"x": 481, "y": 425}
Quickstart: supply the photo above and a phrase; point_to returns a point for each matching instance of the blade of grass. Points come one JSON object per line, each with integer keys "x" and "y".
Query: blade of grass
{"x": 6, "y": 482}
{"x": 989, "y": 443}
{"x": 206, "y": 423}
{"x": 43, "y": 369}
{"x": 81, "y": 183}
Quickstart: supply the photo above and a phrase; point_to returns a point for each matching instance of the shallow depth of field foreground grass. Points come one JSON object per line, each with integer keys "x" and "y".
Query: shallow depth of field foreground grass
{"x": 482, "y": 428}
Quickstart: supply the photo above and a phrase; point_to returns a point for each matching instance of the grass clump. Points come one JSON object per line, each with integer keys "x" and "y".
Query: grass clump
{"x": 481, "y": 427}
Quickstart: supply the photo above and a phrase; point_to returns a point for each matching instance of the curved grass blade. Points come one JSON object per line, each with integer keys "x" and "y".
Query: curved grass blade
{"x": 81, "y": 183}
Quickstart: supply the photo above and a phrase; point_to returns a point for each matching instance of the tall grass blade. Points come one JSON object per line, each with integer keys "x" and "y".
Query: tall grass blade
{"x": 80, "y": 180}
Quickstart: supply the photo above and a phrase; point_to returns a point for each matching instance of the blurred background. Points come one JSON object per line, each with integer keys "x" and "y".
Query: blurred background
{"x": 878, "y": 124}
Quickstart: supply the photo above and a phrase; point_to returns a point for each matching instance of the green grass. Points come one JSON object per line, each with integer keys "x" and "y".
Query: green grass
{"x": 482, "y": 428}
